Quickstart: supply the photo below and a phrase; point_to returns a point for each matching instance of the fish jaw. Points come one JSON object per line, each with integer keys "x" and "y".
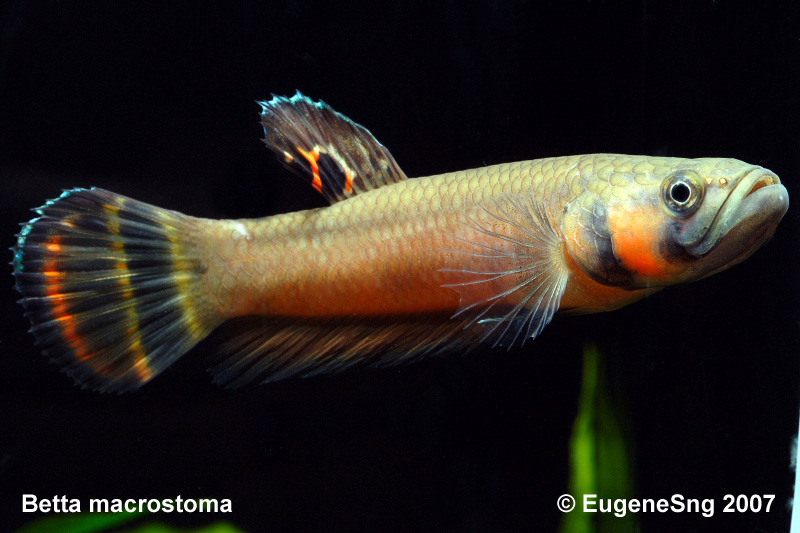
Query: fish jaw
{"x": 747, "y": 220}
{"x": 754, "y": 204}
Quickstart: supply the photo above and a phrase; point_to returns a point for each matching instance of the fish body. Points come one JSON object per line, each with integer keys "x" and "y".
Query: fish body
{"x": 384, "y": 251}
{"x": 393, "y": 269}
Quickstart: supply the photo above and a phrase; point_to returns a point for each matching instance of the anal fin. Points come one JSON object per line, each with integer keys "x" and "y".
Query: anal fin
{"x": 265, "y": 349}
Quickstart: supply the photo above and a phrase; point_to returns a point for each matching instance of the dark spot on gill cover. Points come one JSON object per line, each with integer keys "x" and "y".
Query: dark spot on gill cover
{"x": 669, "y": 249}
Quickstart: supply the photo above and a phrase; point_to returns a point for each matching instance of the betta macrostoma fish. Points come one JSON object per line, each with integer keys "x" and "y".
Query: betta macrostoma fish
{"x": 393, "y": 269}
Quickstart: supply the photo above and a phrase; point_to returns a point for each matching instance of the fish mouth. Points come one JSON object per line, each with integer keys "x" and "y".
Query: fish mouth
{"x": 748, "y": 216}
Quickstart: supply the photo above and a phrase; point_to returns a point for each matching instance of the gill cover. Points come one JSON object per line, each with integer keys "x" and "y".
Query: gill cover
{"x": 589, "y": 241}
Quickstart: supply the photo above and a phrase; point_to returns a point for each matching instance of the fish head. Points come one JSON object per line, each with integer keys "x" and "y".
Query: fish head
{"x": 677, "y": 222}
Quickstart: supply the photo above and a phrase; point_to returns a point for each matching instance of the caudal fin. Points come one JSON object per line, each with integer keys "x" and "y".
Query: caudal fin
{"x": 112, "y": 286}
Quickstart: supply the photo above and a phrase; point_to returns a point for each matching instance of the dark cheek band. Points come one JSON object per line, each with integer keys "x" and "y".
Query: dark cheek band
{"x": 602, "y": 264}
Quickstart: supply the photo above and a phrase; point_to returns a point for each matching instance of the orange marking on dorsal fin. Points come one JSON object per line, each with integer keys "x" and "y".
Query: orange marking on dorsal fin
{"x": 312, "y": 158}
{"x": 348, "y": 181}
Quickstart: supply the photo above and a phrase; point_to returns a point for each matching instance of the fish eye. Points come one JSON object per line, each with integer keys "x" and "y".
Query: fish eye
{"x": 682, "y": 192}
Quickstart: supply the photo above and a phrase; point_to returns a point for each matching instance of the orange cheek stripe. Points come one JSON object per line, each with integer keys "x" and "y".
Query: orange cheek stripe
{"x": 636, "y": 255}
{"x": 636, "y": 234}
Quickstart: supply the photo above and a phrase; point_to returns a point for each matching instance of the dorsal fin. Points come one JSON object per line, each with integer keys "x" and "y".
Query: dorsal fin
{"x": 339, "y": 157}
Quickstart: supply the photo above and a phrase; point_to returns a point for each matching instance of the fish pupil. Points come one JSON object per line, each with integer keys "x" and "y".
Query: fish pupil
{"x": 680, "y": 193}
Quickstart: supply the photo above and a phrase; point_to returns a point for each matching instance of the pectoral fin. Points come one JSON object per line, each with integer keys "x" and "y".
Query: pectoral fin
{"x": 508, "y": 267}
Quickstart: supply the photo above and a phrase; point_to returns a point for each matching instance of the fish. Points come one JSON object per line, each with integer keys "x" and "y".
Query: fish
{"x": 392, "y": 270}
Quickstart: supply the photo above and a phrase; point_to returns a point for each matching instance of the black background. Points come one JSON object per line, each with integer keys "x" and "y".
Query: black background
{"x": 157, "y": 103}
